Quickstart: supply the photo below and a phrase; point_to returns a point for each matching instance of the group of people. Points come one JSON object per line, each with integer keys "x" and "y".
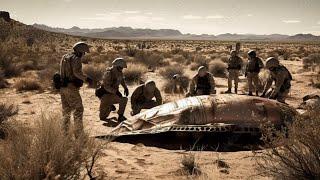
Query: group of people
{"x": 202, "y": 83}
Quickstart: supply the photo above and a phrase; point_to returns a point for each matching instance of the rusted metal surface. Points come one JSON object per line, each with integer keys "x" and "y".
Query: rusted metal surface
{"x": 215, "y": 113}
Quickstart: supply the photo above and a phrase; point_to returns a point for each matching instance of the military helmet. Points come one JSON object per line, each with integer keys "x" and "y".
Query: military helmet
{"x": 119, "y": 62}
{"x": 272, "y": 62}
{"x": 202, "y": 69}
{"x": 252, "y": 53}
{"x": 150, "y": 85}
{"x": 81, "y": 47}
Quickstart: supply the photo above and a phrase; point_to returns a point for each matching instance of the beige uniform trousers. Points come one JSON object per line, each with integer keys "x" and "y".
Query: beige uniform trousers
{"x": 107, "y": 101}
{"x": 233, "y": 76}
{"x": 253, "y": 81}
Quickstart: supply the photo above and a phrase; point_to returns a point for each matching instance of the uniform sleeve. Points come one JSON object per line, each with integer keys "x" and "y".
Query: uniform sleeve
{"x": 136, "y": 94}
{"x": 158, "y": 96}
{"x": 192, "y": 86}
{"x": 279, "y": 82}
{"x": 261, "y": 65}
{"x": 212, "y": 84}
{"x": 123, "y": 83}
{"x": 77, "y": 69}
{"x": 107, "y": 83}
{"x": 240, "y": 62}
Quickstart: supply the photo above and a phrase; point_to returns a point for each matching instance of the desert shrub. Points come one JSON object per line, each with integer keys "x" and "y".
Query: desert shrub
{"x": 3, "y": 81}
{"x": 7, "y": 110}
{"x": 9, "y": 68}
{"x": 100, "y": 49}
{"x": 312, "y": 61}
{"x": 150, "y": 59}
{"x": 169, "y": 71}
{"x": 218, "y": 68}
{"x": 179, "y": 59}
{"x": 27, "y": 84}
{"x": 200, "y": 60}
{"x": 134, "y": 72}
{"x": 190, "y": 165}
{"x": 95, "y": 72}
{"x": 298, "y": 156}
{"x": 131, "y": 51}
{"x": 44, "y": 152}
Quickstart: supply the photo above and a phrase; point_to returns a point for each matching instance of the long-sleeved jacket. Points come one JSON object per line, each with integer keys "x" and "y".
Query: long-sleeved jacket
{"x": 71, "y": 67}
{"x": 282, "y": 78}
{"x": 140, "y": 95}
{"x": 235, "y": 63}
{"x": 112, "y": 78}
{"x": 254, "y": 65}
{"x": 205, "y": 84}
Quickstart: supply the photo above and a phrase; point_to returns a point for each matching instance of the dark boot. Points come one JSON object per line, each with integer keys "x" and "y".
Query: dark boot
{"x": 236, "y": 90}
{"x": 250, "y": 93}
{"x": 228, "y": 91}
{"x": 121, "y": 118}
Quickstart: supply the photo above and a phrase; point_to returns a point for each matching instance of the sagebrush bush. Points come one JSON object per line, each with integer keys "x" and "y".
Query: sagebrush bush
{"x": 27, "y": 84}
{"x": 134, "y": 72}
{"x": 3, "y": 82}
{"x": 95, "y": 72}
{"x": 150, "y": 59}
{"x": 169, "y": 71}
{"x": 218, "y": 68}
{"x": 190, "y": 165}
{"x": 9, "y": 68}
{"x": 44, "y": 152}
{"x": 7, "y": 110}
{"x": 298, "y": 155}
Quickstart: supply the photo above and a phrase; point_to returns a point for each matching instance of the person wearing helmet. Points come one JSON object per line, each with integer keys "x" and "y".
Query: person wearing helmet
{"x": 282, "y": 78}
{"x": 180, "y": 83}
{"x": 142, "y": 97}
{"x": 202, "y": 83}
{"x": 112, "y": 78}
{"x": 234, "y": 67}
{"x": 253, "y": 68}
{"x": 72, "y": 78}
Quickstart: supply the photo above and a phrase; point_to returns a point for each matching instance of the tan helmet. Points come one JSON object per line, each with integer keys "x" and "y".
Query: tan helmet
{"x": 272, "y": 62}
{"x": 81, "y": 47}
{"x": 202, "y": 69}
{"x": 150, "y": 85}
{"x": 119, "y": 62}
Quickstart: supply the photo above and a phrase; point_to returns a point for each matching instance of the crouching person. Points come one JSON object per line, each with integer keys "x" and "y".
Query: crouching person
{"x": 202, "y": 83}
{"x": 142, "y": 97}
{"x": 112, "y": 78}
{"x": 282, "y": 78}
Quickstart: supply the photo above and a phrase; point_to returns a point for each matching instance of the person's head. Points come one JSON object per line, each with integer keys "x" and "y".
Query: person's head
{"x": 252, "y": 54}
{"x": 202, "y": 71}
{"x": 81, "y": 48}
{"x": 119, "y": 63}
{"x": 233, "y": 53}
{"x": 272, "y": 63}
{"x": 150, "y": 86}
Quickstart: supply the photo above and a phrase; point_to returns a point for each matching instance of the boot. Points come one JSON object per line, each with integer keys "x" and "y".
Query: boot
{"x": 121, "y": 118}
{"x": 250, "y": 93}
{"x": 257, "y": 93}
{"x": 228, "y": 91}
{"x": 236, "y": 90}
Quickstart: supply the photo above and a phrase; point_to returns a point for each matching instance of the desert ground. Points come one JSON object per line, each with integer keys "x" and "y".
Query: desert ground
{"x": 39, "y": 59}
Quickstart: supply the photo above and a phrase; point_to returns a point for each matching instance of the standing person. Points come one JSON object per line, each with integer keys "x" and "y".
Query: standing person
{"x": 253, "y": 68}
{"x": 282, "y": 78}
{"x": 142, "y": 97}
{"x": 112, "y": 78}
{"x": 234, "y": 67}
{"x": 72, "y": 79}
{"x": 202, "y": 83}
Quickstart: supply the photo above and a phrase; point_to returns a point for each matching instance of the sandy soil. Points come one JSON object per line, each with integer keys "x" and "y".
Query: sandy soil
{"x": 128, "y": 161}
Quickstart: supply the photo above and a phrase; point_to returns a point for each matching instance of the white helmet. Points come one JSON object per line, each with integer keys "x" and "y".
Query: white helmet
{"x": 119, "y": 62}
{"x": 81, "y": 47}
{"x": 272, "y": 62}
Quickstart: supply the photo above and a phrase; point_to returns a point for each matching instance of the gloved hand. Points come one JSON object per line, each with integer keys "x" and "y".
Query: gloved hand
{"x": 126, "y": 92}
{"x": 245, "y": 74}
{"x": 118, "y": 93}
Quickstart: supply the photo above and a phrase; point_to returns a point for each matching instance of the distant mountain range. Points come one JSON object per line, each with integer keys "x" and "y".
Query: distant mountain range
{"x": 131, "y": 33}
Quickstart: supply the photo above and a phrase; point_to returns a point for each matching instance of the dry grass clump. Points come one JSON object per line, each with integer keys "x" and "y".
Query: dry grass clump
{"x": 27, "y": 84}
{"x": 198, "y": 61}
{"x": 218, "y": 68}
{"x": 169, "y": 71}
{"x": 9, "y": 68}
{"x": 134, "y": 73}
{"x": 3, "y": 82}
{"x": 150, "y": 59}
{"x": 44, "y": 152}
{"x": 312, "y": 61}
{"x": 95, "y": 72}
{"x": 298, "y": 157}
{"x": 6, "y": 111}
{"x": 189, "y": 164}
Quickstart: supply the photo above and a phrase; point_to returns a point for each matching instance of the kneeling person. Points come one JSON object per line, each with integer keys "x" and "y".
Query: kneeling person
{"x": 202, "y": 83}
{"x": 142, "y": 97}
{"x": 282, "y": 78}
{"x": 112, "y": 78}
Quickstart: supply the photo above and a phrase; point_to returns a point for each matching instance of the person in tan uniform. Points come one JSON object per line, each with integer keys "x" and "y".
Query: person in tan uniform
{"x": 202, "y": 83}
{"x": 112, "y": 78}
{"x": 72, "y": 79}
{"x": 234, "y": 67}
{"x": 253, "y": 68}
{"x": 282, "y": 78}
{"x": 142, "y": 97}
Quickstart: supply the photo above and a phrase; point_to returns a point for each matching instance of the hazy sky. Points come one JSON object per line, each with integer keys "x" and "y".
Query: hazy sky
{"x": 188, "y": 16}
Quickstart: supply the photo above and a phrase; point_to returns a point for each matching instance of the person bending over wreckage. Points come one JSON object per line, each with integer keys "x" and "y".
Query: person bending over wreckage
{"x": 112, "y": 78}
{"x": 202, "y": 83}
{"x": 69, "y": 81}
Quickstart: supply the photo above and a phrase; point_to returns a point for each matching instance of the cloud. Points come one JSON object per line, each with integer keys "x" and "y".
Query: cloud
{"x": 291, "y": 21}
{"x": 131, "y": 12}
{"x": 215, "y": 17}
{"x": 191, "y": 17}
